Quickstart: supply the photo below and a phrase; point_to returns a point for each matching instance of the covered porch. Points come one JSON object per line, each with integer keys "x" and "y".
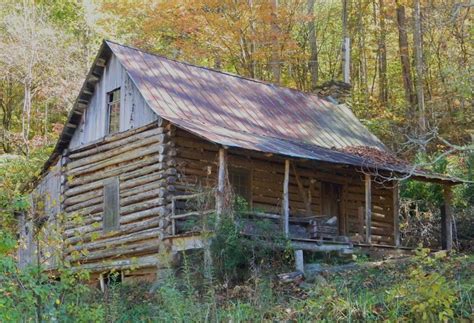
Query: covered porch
{"x": 318, "y": 205}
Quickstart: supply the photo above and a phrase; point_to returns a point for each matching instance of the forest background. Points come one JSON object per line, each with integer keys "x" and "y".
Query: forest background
{"x": 410, "y": 67}
{"x": 409, "y": 64}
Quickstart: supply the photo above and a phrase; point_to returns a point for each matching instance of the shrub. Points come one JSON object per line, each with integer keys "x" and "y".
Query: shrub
{"x": 426, "y": 294}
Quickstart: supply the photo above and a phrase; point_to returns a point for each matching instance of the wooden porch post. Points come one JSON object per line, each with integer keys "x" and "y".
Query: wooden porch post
{"x": 368, "y": 208}
{"x": 396, "y": 214}
{"x": 447, "y": 219}
{"x": 220, "y": 194}
{"x": 286, "y": 200}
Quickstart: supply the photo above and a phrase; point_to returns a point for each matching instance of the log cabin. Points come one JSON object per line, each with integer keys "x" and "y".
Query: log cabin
{"x": 148, "y": 134}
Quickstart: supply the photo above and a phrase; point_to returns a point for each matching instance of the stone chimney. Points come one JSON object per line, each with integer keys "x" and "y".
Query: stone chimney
{"x": 336, "y": 91}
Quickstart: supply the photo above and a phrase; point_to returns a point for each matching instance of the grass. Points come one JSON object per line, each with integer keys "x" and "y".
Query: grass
{"x": 364, "y": 294}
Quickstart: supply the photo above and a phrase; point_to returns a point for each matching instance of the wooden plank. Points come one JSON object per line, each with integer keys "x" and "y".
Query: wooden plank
{"x": 396, "y": 214}
{"x": 447, "y": 221}
{"x": 111, "y": 204}
{"x": 368, "y": 207}
{"x": 286, "y": 201}
{"x": 220, "y": 194}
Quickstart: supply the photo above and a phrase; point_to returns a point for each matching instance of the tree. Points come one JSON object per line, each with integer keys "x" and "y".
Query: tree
{"x": 418, "y": 44}
{"x": 30, "y": 49}
{"x": 313, "y": 46}
{"x": 382, "y": 56}
{"x": 405, "y": 58}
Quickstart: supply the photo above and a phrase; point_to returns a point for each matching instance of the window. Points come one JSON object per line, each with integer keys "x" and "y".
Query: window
{"x": 113, "y": 111}
{"x": 111, "y": 204}
{"x": 240, "y": 180}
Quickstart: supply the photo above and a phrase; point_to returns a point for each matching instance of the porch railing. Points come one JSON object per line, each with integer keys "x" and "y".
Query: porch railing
{"x": 186, "y": 215}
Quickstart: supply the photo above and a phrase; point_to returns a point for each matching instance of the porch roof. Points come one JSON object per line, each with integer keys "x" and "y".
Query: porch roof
{"x": 297, "y": 149}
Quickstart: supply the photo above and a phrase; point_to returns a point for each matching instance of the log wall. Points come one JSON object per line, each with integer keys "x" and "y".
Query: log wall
{"x": 143, "y": 161}
{"x": 197, "y": 169}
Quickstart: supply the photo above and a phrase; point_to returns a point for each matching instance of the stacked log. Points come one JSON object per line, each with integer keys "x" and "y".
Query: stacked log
{"x": 143, "y": 160}
{"x": 197, "y": 170}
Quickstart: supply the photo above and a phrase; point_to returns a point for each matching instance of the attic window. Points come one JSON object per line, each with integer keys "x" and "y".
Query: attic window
{"x": 113, "y": 111}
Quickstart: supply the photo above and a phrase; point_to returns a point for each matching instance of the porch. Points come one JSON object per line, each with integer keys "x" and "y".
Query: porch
{"x": 317, "y": 206}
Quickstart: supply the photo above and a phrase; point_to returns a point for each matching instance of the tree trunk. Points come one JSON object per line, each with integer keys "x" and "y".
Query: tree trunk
{"x": 345, "y": 44}
{"x": 26, "y": 116}
{"x": 313, "y": 59}
{"x": 275, "y": 62}
{"x": 253, "y": 47}
{"x": 382, "y": 61}
{"x": 405, "y": 59}
{"x": 418, "y": 43}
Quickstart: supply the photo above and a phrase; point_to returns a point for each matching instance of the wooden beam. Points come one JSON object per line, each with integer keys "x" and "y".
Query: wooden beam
{"x": 396, "y": 214}
{"x": 447, "y": 219}
{"x": 368, "y": 208}
{"x": 220, "y": 194}
{"x": 299, "y": 261}
{"x": 286, "y": 200}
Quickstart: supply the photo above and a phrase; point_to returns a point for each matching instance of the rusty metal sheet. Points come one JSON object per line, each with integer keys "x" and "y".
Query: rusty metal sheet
{"x": 186, "y": 92}
{"x": 296, "y": 149}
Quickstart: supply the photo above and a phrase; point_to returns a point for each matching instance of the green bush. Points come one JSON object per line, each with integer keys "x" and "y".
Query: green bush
{"x": 426, "y": 294}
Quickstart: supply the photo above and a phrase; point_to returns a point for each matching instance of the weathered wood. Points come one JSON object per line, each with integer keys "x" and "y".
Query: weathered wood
{"x": 154, "y": 204}
{"x": 130, "y": 144}
{"x": 299, "y": 261}
{"x": 220, "y": 193}
{"x": 111, "y": 205}
{"x": 302, "y": 191}
{"x": 190, "y": 214}
{"x": 102, "y": 149}
{"x": 115, "y": 241}
{"x": 93, "y": 222}
{"x": 148, "y": 246}
{"x": 135, "y": 262}
{"x": 396, "y": 214}
{"x": 143, "y": 166}
{"x": 368, "y": 207}
{"x": 127, "y": 197}
{"x": 293, "y": 277}
{"x": 130, "y": 155}
{"x": 286, "y": 201}
{"x": 124, "y": 229}
{"x": 103, "y": 141}
{"x": 447, "y": 219}
{"x": 159, "y": 177}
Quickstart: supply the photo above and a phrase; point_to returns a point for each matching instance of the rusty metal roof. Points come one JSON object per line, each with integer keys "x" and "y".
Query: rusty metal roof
{"x": 239, "y": 112}
{"x": 297, "y": 149}
{"x": 186, "y": 92}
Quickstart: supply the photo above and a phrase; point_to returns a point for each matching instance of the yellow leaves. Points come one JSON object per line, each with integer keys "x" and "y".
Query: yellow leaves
{"x": 95, "y": 235}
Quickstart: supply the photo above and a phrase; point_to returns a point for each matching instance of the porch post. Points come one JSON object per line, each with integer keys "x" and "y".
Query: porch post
{"x": 286, "y": 200}
{"x": 396, "y": 214}
{"x": 220, "y": 194}
{"x": 368, "y": 208}
{"x": 447, "y": 219}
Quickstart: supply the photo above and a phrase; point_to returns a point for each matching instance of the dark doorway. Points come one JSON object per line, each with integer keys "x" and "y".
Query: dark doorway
{"x": 240, "y": 180}
{"x": 331, "y": 200}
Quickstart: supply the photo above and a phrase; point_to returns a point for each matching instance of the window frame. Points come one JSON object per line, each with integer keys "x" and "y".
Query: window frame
{"x": 113, "y": 106}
